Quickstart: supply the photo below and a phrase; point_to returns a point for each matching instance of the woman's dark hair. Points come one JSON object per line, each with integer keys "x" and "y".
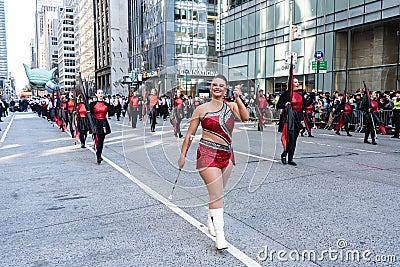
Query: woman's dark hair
{"x": 220, "y": 76}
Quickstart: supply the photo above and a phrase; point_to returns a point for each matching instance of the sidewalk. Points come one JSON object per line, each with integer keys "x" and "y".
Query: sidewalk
{"x": 59, "y": 208}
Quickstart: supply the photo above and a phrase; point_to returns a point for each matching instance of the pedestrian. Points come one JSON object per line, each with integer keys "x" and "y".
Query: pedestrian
{"x": 82, "y": 122}
{"x": 215, "y": 157}
{"x": 396, "y": 115}
{"x": 295, "y": 115}
{"x": 99, "y": 109}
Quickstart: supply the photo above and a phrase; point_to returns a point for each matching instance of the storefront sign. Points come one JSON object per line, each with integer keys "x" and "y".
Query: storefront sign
{"x": 197, "y": 72}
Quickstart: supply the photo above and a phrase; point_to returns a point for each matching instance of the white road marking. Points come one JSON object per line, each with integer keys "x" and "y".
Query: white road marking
{"x": 254, "y": 156}
{"x": 347, "y": 148}
{"x": 238, "y": 254}
{"x": 8, "y": 128}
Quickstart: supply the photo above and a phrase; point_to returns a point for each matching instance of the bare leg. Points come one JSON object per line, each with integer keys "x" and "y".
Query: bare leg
{"x": 216, "y": 180}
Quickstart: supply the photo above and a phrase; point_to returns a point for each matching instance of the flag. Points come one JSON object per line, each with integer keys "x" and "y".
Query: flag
{"x": 289, "y": 123}
{"x": 342, "y": 106}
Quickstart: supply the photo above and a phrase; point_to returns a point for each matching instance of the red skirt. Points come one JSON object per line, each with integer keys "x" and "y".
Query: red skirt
{"x": 210, "y": 154}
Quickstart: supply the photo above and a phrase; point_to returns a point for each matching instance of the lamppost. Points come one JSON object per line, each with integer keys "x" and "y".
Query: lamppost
{"x": 186, "y": 78}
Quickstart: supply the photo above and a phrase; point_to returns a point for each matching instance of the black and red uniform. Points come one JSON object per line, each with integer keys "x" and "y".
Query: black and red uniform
{"x": 260, "y": 109}
{"x": 134, "y": 109}
{"x": 69, "y": 112}
{"x": 298, "y": 103}
{"x": 371, "y": 119}
{"x": 99, "y": 111}
{"x": 344, "y": 119}
{"x": 153, "y": 101}
{"x": 178, "y": 114}
{"x": 308, "y": 120}
{"x": 82, "y": 123}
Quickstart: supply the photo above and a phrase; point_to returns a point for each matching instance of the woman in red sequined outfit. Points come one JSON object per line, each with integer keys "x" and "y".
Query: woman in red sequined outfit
{"x": 215, "y": 154}
{"x": 99, "y": 111}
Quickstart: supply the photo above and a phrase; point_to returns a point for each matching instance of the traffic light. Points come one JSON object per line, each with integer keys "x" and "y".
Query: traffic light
{"x": 144, "y": 75}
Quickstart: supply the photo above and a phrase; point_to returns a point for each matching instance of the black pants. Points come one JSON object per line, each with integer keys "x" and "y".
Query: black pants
{"x": 308, "y": 121}
{"x": 134, "y": 116}
{"x": 70, "y": 121}
{"x": 396, "y": 121}
{"x": 100, "y": 145}
{"x": 369, "y": 128}
{"x": 82, "y": 136}
{"x": 291, "y": 147}
{"x": 178, "y": 113}
{"x": 118, "y": 111}
{"x": 153, "y": 118}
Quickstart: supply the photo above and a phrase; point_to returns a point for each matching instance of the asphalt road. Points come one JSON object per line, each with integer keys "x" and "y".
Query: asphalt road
{"x": 338, "y": 207}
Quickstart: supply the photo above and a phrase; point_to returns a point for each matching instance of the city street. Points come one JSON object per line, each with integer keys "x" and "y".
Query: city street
{"x": 338, "y": 207}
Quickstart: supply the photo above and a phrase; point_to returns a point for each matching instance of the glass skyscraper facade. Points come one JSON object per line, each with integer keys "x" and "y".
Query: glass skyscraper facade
{"x": 166, "y": 33}
{"x": 359, "y": 40}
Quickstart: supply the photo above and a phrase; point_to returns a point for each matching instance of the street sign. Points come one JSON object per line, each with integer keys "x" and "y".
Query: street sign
{"x": 322, "y": 65}
{"x": 319, "y": 55}
{"x": 287, "y": 57}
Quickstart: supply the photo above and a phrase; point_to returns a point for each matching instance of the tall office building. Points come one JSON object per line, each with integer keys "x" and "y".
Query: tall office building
{"x": 359, "y": 40}
{"x": 172, "y": 33}
{"x": 111, "y": 45}
{"x": 66, "y": 48}
{"x": 49, "y": 56}
{"x": 42, "y": 6}
{"x": 3, "y": 43}
{"x": 84, "y": 41}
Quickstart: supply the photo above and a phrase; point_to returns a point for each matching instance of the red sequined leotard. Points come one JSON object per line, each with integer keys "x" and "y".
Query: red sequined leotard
{"x": 209, "y": 153}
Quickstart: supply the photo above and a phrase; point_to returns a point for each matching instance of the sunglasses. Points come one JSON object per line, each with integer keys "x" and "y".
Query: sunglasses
{"x": 218, "y": 85}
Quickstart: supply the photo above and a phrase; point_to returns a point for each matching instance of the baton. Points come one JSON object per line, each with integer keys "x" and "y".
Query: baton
{"x": 179, "y": 170}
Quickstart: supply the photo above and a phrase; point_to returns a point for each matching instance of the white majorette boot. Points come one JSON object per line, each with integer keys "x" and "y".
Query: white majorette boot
{"x": 218, "y": 220}
{"x": 211, "y": 229}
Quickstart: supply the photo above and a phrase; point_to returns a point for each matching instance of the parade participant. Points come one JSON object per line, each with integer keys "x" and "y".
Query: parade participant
{"x": 291, "y": 120}
{"x": 164, "y": 107}
{"x": 134, "y": 108}
{"x": 308, "y": 120}
{"x": 118, "y": 106}
{"x": 99, "y": 110}
{"x": 196, "y": 103}
{"x": 345, "y": 115}
{"x": 370, "y": 108}
{"x": 43, "y": 105}
{"x": 215, "y": 153}
{"x": 190, "y": 107}
{"x": 153, "y": 102}
{"x": 69, "y": 112}
{"x": 261, "y": 105}
{"x": 396, "y": 114}
{"x": 81, "y": 121}
{"x": 2, "y": 107}
{"x": 178, "y": 113}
